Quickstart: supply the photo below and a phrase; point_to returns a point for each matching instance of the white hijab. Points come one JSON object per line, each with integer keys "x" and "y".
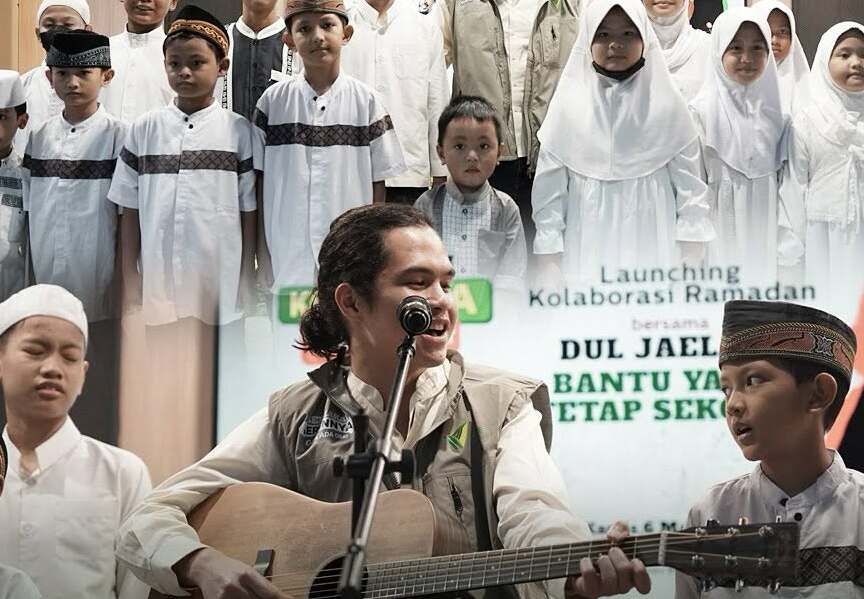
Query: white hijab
{"x": 839, "y": 114}
{"x": 794, "y": 71}
{"x": 614, "y": 130}
{"x": 744, "y": 124}
{"x": 677, "y": 37}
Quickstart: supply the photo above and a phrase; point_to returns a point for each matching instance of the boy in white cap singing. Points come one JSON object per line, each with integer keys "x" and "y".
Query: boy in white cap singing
{"x": 13, "y": 118}
{"x": 51, "y": 17}
{"x": 14, "y": 584}
{"x": 66, "y": 494}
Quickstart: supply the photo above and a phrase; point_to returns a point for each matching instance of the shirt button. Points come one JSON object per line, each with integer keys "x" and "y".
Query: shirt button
{"x": 462, "y": 270}
{"x": 464, "y": 237}
{"x": 186, "y": 118}
{"x": 190, "y": 125}
{"x": 798, "y": 517}
{"x": 27, "y": 529}
{"x": 72, "y": 130}
{"x": 323, "y": 107}
{"x": 464, "y": 211}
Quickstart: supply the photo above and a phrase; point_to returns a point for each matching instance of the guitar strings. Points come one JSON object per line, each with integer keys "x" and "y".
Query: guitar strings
{"x": 380, "y": 592}
{"x": 392, "y": 570}
{"x": 388, "y": 569}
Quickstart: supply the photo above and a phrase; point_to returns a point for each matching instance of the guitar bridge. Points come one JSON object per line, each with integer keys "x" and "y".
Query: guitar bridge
{"x": 264, "y": 562}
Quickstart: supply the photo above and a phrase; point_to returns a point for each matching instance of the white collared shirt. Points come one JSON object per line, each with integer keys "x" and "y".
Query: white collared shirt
{"x": 517, "y": 20}
{"x": 529, "y": 494}
{"x": 190, "y": 177}
{"x": 67, "y": 173}
{"x": 830, "y": 514}
{"x": 12, "y": 231}
{"x": 42, "y": 102}
{"x": 59, "y": 523}
{"x": 400, "y": 54}
{"x": 140, "y": 83}
{"x": 320, "y": 155}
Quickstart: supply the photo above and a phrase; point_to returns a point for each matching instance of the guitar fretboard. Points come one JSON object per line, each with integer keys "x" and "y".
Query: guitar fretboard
{"x": 468, "y": 571}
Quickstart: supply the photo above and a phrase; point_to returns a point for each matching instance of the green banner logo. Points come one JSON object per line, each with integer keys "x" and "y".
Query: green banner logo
{"x": 473, "y": 296}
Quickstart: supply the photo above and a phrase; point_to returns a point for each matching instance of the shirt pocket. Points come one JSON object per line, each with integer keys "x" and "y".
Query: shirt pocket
{"x": 451, "y": 494}
{"x": 409, "y": 64}
{"x": 85, "y": 528}
{"x": 550, "y": 42}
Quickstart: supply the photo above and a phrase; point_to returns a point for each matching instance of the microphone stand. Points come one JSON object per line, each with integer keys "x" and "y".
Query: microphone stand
{"x": 373, "y": 466}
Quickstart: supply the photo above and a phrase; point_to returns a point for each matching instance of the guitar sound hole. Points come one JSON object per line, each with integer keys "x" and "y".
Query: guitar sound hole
{"x": 326, "y": 583}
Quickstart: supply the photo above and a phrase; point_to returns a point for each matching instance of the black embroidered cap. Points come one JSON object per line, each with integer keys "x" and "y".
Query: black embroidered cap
{"x": 79, "y": 49}
{"x": 755, "y": 329}
{"x": 197, "y": 21}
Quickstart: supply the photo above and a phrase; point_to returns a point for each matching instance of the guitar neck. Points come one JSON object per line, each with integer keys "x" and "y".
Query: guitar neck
{"x": 470, "y": 571}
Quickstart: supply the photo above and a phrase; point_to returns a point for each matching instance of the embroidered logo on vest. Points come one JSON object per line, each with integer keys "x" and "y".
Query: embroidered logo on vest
{"x": 459, "y": 437}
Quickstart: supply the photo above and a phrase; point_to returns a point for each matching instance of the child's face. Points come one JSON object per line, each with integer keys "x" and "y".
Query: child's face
{"x": 746, "y": 55}
{"x": 766, "y": 409}
{"x": 259, "y": 6}
{"x": 42, "y": 368}
{"x": 617, "y": 44}
{"x": 192, "y": 67}
{"x": 663, "y": 8}
{"x": 147, "y": 14}
{"x": 79, "y": 88}
{"x": 781, "y": 34}
{"x": 470, "y": 151}
{"x": 846, "y": 65}
{"x": 318, "y": 37}
{"x": 10, "y": 123}
{"x": 59, "y": 16}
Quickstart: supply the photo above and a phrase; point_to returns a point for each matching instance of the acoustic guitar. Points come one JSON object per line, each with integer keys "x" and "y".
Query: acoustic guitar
{"x": 297, "y": 544}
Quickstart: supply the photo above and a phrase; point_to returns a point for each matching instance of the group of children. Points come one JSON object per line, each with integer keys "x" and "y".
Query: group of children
{"x": 724, "y": 144}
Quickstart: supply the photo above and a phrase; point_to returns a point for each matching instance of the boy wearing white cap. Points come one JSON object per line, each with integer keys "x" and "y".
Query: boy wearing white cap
{"x": 13, "y": 118}
{"x": 140, "y": 84}
{"x": 66, "y": 494}
{"x": 42, "y": 103}
{"x": 14, "y": 584}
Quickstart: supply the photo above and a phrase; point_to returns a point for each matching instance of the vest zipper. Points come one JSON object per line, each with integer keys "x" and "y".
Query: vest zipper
{"x": 457, "y": 499}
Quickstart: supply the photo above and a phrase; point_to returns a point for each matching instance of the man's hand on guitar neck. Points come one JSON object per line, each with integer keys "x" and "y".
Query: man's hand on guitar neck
{"x": 218, "y": 576}
{"x": 614, "y": 573}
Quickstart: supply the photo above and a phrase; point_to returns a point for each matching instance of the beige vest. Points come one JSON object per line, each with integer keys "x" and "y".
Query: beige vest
{"x": 481, "y": 67}
{"x": 312, "y": 423}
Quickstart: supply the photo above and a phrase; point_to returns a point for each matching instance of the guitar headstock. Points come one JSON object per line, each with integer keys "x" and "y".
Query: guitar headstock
{"x": 736, "y": 555}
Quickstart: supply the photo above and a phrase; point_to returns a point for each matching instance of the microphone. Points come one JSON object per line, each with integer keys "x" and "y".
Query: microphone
{"x": 415, "y": 315}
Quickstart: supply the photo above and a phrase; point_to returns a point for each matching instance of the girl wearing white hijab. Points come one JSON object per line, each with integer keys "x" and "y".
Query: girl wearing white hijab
{"x": 742, "y": 125}
{"x": 618, "y": 178}
{"x": 825, "y": 189}
{"x": 685, "y": 49}
{"x": 793, "y": 70}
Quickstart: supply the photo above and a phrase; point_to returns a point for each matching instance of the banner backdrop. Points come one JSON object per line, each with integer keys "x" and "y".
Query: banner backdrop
{"x": 630, "y": 359}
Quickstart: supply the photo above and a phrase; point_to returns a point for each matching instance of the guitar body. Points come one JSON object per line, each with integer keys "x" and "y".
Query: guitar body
{"x": 307, "y": 535}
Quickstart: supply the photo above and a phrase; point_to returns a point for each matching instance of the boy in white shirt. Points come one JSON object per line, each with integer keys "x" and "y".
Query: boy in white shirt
{"x": 68, "y": 167}
{"x": 52, "y": 17}
{"x": 66, "y": 494}
{"x": 140, "y": 83}
{"x": 323, "y": 143}
{"x": 13, "y": 118}
{"x": 785, "y": 370}
{"x": 399, "y": 52}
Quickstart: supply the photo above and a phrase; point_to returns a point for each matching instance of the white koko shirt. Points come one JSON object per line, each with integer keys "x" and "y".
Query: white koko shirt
{"x": 59, "y": 523}
{"x": 400, "y": 54}
{"x": 190, "y": 177}
{"x": 140, "y": 83}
